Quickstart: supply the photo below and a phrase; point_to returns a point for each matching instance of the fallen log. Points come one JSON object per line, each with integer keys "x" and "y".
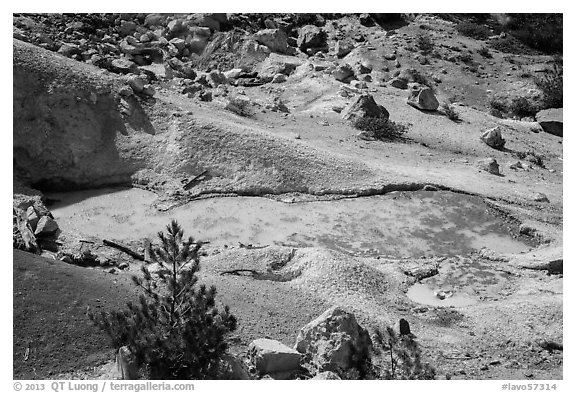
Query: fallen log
{"x": 191, "y": 182}
{"x": 125, "y": 249}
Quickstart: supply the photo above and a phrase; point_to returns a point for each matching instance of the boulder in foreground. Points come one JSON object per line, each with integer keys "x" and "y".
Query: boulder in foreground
{"x": 551, "y": 121}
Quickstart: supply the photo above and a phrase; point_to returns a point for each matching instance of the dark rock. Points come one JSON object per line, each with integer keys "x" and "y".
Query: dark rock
{"x": 489, "y": 165}
{"x": 311, "y": 37}
{"x": 423, "y": 98}
{"x": 551, "y": 121}
{"x": 364, "y": 106}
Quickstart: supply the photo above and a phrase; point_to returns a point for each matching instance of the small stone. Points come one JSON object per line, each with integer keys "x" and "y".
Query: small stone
{"x": 489, "y": 165}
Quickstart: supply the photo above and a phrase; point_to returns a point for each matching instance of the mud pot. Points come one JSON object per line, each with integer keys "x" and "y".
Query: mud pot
{"x": 398, "y": 224}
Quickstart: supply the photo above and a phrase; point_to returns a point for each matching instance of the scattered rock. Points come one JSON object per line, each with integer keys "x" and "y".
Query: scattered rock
{"x": 343, "y": 47}
{"x": 540, "y": 197}
{"x": 311, "y": 37}
{"x": 423, "y": 98}
{"x": 399, "y": 83}
{"x": 275, "y": 39}
{"x": 493, "y": 138}
{"x": 279, "y": 78}
{"x": 137, "y": 83}
{"x": 124, "y": 66}
{"x": 271, "y": 356}
{"x": 46, "y": 227}
{"x": 551, "y": 121}
{"x": 343, "y": 73}
{"x": 364, "y": 106}
{"x": 489, "y": 165}
{"x": 328, "y": 342}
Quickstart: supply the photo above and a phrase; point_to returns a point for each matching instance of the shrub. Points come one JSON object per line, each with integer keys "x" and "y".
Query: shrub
{"x": 485, "y": 52}
{"x": 425, "y": 44}
{"x": 240, "y": 106}
{"x": 404, "y": 358}
{"x": 542, "y": 32}
{"x": 175, "y": 331}
{"x": 531, "y": 156}
{"x": 473, "y": 30}
{"x": 380, "y": 128}
{"x": 465, "y": 58}
{"x": 450, "y": 112}
{"x": 510, "y": 44}
{"x": 498, "y": 104}
{"x": 551, "y": 86}
{"x": 522, "y": 107}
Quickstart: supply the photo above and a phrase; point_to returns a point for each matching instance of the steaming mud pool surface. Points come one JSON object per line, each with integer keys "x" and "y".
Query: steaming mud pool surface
{"x": 398, "y": 224}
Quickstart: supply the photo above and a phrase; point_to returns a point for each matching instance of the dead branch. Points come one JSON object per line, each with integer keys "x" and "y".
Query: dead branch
{"x": 125, "y": 249}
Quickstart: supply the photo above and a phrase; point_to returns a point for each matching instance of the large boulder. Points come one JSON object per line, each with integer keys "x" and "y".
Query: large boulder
{"x": 493, "y": 138}
{"x": 277, "y": 64}
{"x": 271, "y": 356}
{"x": 343, "y": 47}
{"x": 311, "y": 37}
{"x": 334, "y": 341}
{"x": 551, "y": 121}
{"x": 423, "y": 98}
{"x": 275, "y": 39}
{"x": 46, "y": 226}
{"x": 364, "y": 106}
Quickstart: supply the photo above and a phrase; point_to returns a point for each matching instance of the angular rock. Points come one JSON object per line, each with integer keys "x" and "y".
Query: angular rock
{"x": 46, "y": 227}
{"x": 275, "y": 39}
{"x": 551, "y": 121}
{"x": 343, "y": 47}
{"x": 127, "y": 27}
{"x": 330, "y": 341}
{"x": 137, "y": 83}
{"x": 489, "y": 165}
{"x": 32, "y": 217}
{"x": 423, "y": 98}
{"x": 148, "y": 90}
{"x": 124, "y": 66}
{"x": 155, "y": 20}
{"x": 311, "y": 37}
{"x": 125, "y": 364}
{"x": 277, "y": 64}
{"x": 216, "y": 78}
{"x": 493, "y": 138}
{"x": 69, "y": 50}
{"x": 364, "y": 106}
{"x": 271, "y": 356}
{"x": 343, "y": 72}
{"x": 279, "y": 78}
{"x": 399, "y": 83}
{"x": 366, "y": 20}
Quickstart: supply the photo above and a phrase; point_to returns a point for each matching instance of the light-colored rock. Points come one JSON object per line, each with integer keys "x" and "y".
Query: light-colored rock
{"x": 489, "y": 165}
{"x": 493, "y": 138}
{"x": 137, "y": 83}
{"x": 275, "y": 39}
{"x": 125, "y": 366}
{"x": 551, "y": 121}
{"x": 364, "y": 106}
{"x": 124, "y": 66}
{"x": 279, "y": 78}
{"x": 423, "y": 98}
{"x": 343, "y": 73}
{"x": 343, "y": 47}
{"x": 46, "y": 227}
{"x": 277, "y": 64}
{"x": 271, "y": 356}
{"x": 328, "y": 342}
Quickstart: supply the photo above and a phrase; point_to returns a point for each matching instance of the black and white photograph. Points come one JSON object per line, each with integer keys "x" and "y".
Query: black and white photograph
{"x": 286, "y": 196}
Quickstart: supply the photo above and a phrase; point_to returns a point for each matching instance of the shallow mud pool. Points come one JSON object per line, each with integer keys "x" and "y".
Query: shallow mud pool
{"x": 398, "y": 224}
{"x": 460, "y": 282}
